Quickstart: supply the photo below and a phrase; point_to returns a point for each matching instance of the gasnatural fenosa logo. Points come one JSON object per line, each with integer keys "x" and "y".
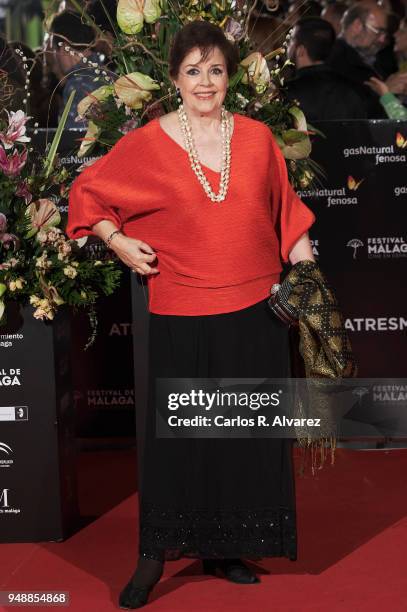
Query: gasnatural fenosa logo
{"x": 401, "y": 142}
{"x": 354, "y": 184}
{"x": 385, "y": 154}
{"x": 338, "y": 196}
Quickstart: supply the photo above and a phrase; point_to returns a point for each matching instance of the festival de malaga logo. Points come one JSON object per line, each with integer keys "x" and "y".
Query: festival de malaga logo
{"x": 380, "y": 247}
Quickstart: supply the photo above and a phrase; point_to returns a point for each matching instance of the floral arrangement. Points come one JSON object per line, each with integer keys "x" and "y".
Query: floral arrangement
{"x": 140, "y": 89}
{"x": 39, "y": 265}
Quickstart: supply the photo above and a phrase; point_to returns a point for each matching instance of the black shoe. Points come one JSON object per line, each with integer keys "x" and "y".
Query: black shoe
{"x": 134, "y": 597}
{"x": 135, "y": 593}
{"x": 233, "y": 569}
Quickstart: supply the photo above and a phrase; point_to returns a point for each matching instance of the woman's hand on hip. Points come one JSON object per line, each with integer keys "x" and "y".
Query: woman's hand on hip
{"x": 136, "y": 254}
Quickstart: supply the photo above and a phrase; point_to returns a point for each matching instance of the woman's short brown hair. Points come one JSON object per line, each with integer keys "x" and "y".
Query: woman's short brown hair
{"x": 206, "y": 36}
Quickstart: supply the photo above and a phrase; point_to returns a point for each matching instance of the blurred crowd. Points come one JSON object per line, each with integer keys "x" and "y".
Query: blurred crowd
{"x": 349, "y": 58}
{"x": 74, "y": 56}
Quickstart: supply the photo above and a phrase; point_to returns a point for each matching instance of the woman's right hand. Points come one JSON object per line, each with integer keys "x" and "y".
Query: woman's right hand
{"x": 136, "y": 254}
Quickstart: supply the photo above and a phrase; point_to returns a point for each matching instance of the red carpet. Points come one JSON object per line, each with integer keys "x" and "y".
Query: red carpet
{"x": 352, "y": 549}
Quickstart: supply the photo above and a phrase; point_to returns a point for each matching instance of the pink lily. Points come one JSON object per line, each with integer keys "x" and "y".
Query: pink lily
{"x": 7, "y": 239}
{"x": 22, "y": 191}
{"x": 15, "y": 130}
{"x": 3, "y": 223}
{"x": 13, "y": 164}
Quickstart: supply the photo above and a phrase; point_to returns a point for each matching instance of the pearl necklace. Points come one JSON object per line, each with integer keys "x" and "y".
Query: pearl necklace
{"x": 194, "y": 159}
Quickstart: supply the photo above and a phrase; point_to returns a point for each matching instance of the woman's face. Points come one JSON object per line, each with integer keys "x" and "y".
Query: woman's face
{"x": 203, "y": 85}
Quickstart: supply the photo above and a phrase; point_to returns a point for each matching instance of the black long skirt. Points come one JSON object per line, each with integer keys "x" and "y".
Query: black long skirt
{"x": 217, "y": 498}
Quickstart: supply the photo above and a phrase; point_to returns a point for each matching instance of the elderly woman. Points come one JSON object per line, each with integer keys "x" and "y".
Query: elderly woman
{"x": 198, "y": 201}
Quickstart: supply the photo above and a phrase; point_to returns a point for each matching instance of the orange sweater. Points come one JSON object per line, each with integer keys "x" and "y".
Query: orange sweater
{"x": 213, "y": 257}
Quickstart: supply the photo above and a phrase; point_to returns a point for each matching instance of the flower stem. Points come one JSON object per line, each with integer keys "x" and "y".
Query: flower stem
{"x": 49, "y": 162}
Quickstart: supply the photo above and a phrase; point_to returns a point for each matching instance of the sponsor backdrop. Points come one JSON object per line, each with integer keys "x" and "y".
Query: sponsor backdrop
{"x": 360, "y": 240}
{"x": 38, "y": 492}
{"x": 360, "y": 236}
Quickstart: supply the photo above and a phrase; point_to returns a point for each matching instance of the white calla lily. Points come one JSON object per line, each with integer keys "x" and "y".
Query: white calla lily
{"x": 257, "y": 71}
{"x": 89, "y": 139}
{"x": 152, "y": 10}
{"x": 135, "y": 88}
{"x": 130, "y": 16}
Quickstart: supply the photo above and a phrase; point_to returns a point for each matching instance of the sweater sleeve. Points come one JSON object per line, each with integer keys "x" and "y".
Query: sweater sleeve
{"x": 106, "y": 190}
{"x": 294, "y": 218}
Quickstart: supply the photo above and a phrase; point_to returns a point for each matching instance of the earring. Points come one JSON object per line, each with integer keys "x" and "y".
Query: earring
{"x": 178, "y": 94}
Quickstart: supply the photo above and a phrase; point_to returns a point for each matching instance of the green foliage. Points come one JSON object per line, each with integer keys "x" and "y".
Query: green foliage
{"x": 39, "y": 265}
{"x": 256, "y": 90}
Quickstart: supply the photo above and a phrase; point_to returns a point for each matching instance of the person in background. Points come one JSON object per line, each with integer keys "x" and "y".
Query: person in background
{"x": 74, "y": 73}
{"x": 41, "y": 107}
{"x": 302, "y": 8}
{"x": 103, "y": 16}
{"x": 393, "y": 107}
{"x": 393, "y": 90}
{"x": 322, "y": 94}
{"x": 333, "y": 13}
{"x": 267, "y": 33}
{"x": 400, "y": 46}
{"x": 363, "y": 33}
{"x": 104, "y": 44}
{"x": 384, "y": 61}
{"x": 12, "y": 79}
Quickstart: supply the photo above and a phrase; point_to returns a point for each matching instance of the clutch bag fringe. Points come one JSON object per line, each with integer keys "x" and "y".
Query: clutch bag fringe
{"x": 305, "y": 300}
